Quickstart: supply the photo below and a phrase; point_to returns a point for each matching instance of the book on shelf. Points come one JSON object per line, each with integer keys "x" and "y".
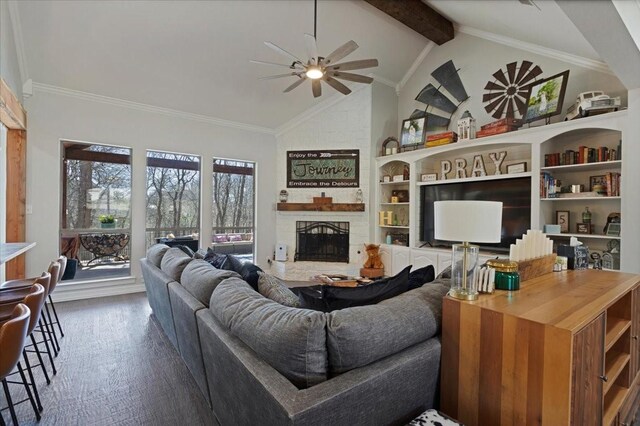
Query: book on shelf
{"x": 496, "y": 130}
{"x": 437, "y": 136}
{"x": 583, "y": 155}
{"x": 507, "y": 121}
{"x": 438, "y": 142}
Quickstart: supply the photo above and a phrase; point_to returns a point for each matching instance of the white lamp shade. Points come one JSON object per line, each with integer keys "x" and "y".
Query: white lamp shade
{"x": 470, "y": 221}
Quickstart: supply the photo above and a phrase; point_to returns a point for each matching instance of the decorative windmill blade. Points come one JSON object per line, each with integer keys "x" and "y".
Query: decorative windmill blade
{"x": 434, "y": 121}
{"x": 524, "y": 67}
{"x": 491, "y": 106}
{"x": 493, "y": 86}
{"x": 312, "y": 48}
{"x": 511, "y": 71}
{"x": 500, "y": 110}
{"x": 354, "y": 65}
{"x": 489, "y": 96}
{"x": 509, "y": 91}
{"x": 337, "y": 85}
{"x": 521, "y": 105}
{"x": 296, "y": 84}
{"x": 281, "y": 51}
{"x": 499, "y": 75}
{"x": 510, "y": 109}
{"x": 316, "y": 88}
{"x": 447, "y": 75}
{"x": 292, "y": 66}
{"x": 536, "y": 71}
{"x": 271, "y": 77}
{"x": 340, "y": 53}
{"x": 432, "y": 96}
{"x": 417, "y": 113}
{"x": 350, "y": 77}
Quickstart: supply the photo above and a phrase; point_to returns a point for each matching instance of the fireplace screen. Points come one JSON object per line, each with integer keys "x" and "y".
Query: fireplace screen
{"x": 322, "y": 241}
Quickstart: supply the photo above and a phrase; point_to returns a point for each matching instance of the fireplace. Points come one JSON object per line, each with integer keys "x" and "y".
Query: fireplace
{"x": 322, "y": 241}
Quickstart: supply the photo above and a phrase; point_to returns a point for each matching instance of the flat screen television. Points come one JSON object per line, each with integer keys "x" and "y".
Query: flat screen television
{"x": 515, "y": 195}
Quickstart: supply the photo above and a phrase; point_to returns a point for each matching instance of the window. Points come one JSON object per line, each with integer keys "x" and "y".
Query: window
{"x": 95, "y": 216}
{"x": 173, "y": 198}
{"x": 233, "y": 207}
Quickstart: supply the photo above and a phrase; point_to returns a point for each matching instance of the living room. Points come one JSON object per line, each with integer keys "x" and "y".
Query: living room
{"x": 176, "y": 78}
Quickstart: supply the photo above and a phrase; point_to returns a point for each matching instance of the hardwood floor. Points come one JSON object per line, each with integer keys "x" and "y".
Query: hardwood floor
{"x": 115, "y": 367}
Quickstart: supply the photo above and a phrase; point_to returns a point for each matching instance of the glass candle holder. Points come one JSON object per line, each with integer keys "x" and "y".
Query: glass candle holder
{"x": 464, "y": 258}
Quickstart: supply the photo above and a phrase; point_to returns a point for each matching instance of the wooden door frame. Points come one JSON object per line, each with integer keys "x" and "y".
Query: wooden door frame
{"x": 14, "y": 118}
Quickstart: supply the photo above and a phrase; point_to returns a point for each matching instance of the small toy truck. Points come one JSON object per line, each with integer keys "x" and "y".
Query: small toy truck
{"x": 591, "y": 103}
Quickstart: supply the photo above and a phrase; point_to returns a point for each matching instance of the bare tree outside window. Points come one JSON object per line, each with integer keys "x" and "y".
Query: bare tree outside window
{"x": 233, "y": 207}
{"x": 173, "y": 196}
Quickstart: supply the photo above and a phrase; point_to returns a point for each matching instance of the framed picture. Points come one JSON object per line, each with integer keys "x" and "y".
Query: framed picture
{"x": 562, "y": 219}
{"x": 583, "y": 228}
{"x": 412, "y": 131}
{"x": 517, "y": 168}
{"x": 428, "y": 177}
{"x": 386, "y": 178}
{"x": 545, "y": 97}
{"x": 613, "y": 230}
{"x": 598, "y": 183}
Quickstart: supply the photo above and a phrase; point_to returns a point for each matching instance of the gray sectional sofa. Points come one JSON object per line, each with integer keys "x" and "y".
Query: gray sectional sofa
{"x": 259, "y": 362}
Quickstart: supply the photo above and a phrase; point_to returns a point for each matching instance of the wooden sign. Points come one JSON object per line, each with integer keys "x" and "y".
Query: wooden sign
{"x": 325, "y": 169}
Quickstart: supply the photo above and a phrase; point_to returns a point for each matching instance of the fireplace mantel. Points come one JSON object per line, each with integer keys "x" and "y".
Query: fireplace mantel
{"x": 321, "y": 207}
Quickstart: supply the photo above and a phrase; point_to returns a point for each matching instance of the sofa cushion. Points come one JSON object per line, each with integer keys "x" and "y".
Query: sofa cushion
{"x": 293, "y": 341}
{"x": 345, "y": 297}
{"x": 361, "y": 335}
{"x": 200, "y": 278}
{"x": 173, "y": 262}
{"x": 276, "y": 290}
{"x": 186, "y": 249}
{"x": 421, "y": 276}
{"x": 156, "y": 253}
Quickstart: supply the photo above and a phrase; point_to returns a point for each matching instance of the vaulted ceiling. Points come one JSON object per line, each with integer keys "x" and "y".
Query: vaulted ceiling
{"x": 193, "y": 56}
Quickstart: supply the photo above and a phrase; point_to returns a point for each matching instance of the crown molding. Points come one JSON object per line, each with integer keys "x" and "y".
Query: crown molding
{"x": 592, "y": 64}
{"x": 14, "y": 17}
{"x": 314, "y": 110}
{"x": 47, "y": 88}
{"x": 414, "y": 67}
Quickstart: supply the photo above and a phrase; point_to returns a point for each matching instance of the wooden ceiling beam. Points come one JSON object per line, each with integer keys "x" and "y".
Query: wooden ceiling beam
{"x": 419, "y": 17}
{"x": 12, "y": 115}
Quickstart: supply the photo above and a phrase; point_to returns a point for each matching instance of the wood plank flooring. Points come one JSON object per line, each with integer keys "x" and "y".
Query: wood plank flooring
{"x": 115, "y": 367}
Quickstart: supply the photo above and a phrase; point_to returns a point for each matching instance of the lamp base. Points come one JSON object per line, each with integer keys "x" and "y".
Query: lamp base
{"x": 463, "y": 295}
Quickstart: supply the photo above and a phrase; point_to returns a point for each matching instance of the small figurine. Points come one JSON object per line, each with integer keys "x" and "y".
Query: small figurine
{"x": 373, "y": 256}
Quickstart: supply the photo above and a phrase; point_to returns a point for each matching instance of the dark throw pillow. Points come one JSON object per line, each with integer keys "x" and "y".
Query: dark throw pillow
{"x": 311, "y": 298}
{"x": 186, "y": 249}
{"x": 249, "y": 273}
{"x": 421, "y": 276}
{"x": 233, "y": 264}
{"x": 346, "y": 297}
{"x": 215, "y": 259}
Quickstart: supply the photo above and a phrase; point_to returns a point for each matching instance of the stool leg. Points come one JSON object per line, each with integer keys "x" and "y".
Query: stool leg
{"x": 53, "y": 330}
{"x": 40, "y": 360}
{"x": 33, "y": 381}
{"x": 12, "y": 410}
{"x": 2, "y": 423}
{"x": 48, "y": 328}
{"x": 46, "y": 345}
{"x": 55, "y": 314}
{"x": 26, "y": 386}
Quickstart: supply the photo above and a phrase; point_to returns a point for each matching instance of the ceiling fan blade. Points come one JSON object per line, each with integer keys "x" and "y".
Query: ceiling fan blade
{"x": 316, "y": 88}
{"x": 340, "y": 52}
{"x": 292, "y": 66}
{"x": 337, "y": 85}
{"x": 281, "y": 51}
{"x": 351, "y": 77}
{"x": 296, "y": 84}
{"x": 271, "y": 77}
{"x": 354, "y": 65}
{"x": 312, "y": 48}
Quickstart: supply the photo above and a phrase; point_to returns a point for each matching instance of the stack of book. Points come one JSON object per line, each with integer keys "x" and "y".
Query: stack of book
{"x": 503, "y": 125}
{"x": 441, "y": 139}
{"x": 582, "y": 155}
{"x": 613, "y": 184}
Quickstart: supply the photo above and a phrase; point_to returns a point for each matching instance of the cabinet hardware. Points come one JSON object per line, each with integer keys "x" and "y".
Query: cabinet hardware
{"x": 604, "y": 378}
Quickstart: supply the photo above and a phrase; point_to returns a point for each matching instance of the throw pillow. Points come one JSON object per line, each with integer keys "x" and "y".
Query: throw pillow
{"x": 200, "y": 254}
{"x": 311, "y": 298}
{"x": 216, "y": 259}
{"x": 186, "y": 249}
{"x": 446, "y": 273}
{"x": 232, "y": 264}
{"x": 346, "y": 297}
{"x": 421, "y": 276}
{"x": 274, "y": 289}
{"x": 249, "y": 273}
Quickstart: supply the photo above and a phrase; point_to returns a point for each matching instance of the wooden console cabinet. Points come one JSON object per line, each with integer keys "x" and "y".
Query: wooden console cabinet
{"x": 564, "y": 349}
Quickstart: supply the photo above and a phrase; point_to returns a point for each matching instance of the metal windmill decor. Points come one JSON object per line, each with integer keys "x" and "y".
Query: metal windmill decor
{"x": 447, "y": 76}
{"x": 506, "y": 95}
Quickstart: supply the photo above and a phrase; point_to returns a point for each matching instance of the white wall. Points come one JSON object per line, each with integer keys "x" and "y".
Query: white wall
{"x": 54, "y": 116}
{"x": 343, "y": 125}
{"x": 478, "y": 59}
{"x": 9, "y": 69}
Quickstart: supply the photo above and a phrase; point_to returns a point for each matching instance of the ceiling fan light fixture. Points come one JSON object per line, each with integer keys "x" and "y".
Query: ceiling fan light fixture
{"x": 314, "y": 73}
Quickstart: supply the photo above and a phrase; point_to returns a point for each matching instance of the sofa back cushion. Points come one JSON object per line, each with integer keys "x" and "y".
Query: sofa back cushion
{"x": 291, "y": 340}
{"x": 173, "y": 262}
{"x": 361, "y": 335}
{"x": 200, "y": 279}
{"x": 156, "y": 252}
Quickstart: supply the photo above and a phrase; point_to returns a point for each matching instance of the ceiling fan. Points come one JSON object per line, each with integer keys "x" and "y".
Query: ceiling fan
{"x": 318, "y": 68}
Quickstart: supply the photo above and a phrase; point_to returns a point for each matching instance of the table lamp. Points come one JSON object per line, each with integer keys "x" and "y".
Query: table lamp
{"x": 466, "y": 221}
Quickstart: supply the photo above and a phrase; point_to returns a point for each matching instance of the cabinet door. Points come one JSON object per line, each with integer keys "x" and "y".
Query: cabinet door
{"x": 588, "y": 367}
{"x": 635, "y": 333}
{"x": 399, "y": 259}
{"x": 422, "y": 258}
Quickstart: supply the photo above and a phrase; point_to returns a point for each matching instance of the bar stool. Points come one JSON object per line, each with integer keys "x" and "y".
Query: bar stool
{"x": 62, "y": 260}
{"x": 13, "y": 334}
{"x": 34, "y": 301}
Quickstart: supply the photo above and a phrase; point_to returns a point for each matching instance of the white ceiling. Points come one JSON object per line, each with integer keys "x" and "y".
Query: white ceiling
{"x": 193, "y": 56}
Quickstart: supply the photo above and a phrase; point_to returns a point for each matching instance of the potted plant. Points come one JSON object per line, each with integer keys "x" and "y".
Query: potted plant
{"x": 107, "y": 221}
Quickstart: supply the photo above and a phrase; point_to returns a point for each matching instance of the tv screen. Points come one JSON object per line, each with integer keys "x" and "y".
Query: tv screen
{"x": 515, "y": 195}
